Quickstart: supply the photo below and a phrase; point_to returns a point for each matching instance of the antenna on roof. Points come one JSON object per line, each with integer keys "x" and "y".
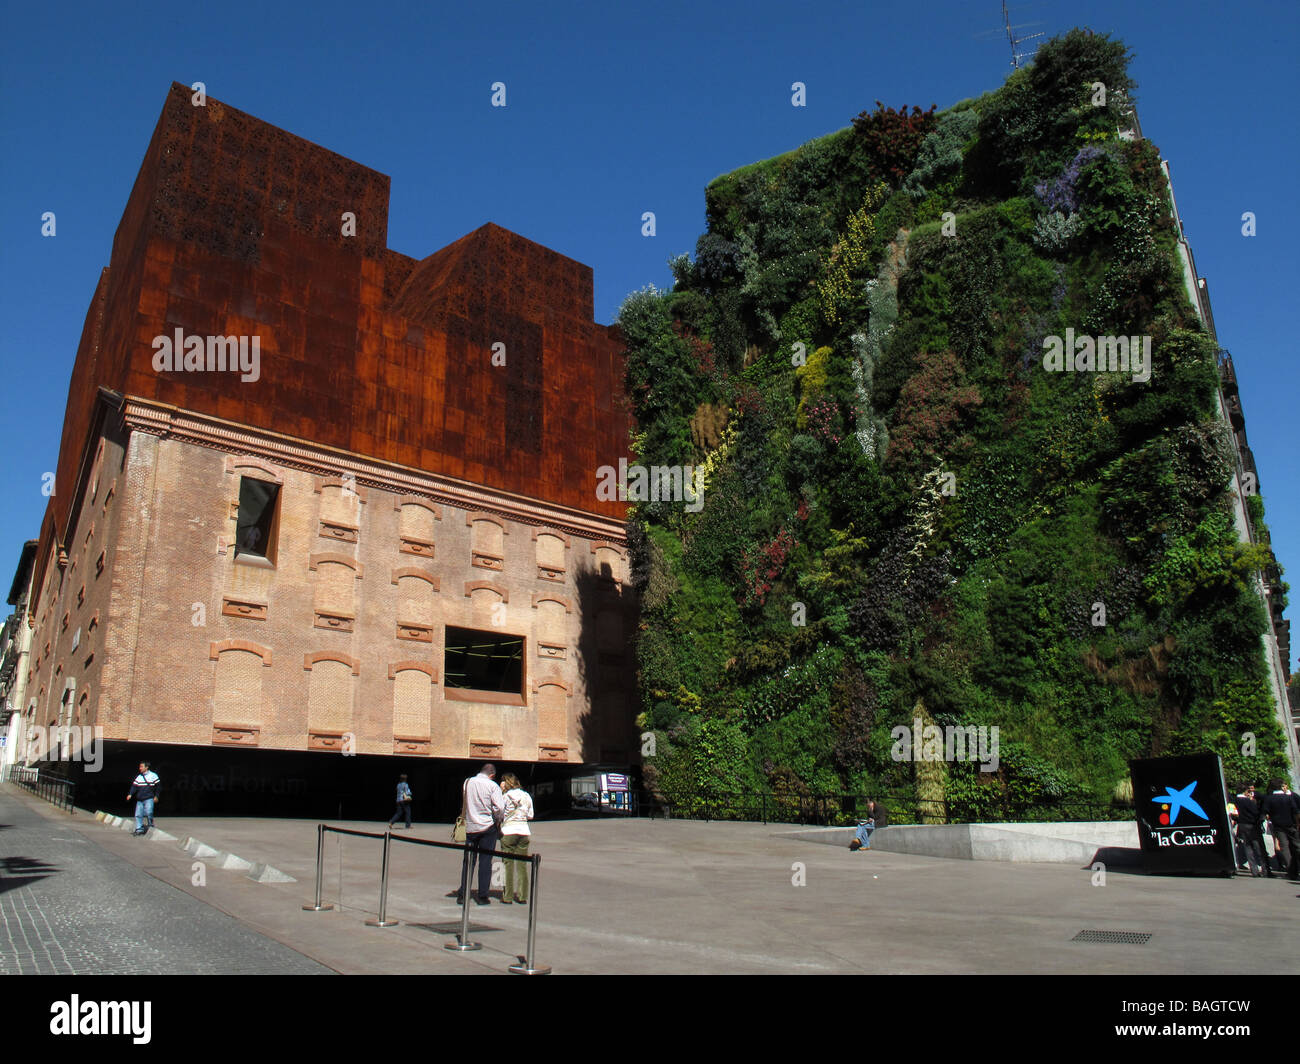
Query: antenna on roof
{"x": 1013, "y": 40}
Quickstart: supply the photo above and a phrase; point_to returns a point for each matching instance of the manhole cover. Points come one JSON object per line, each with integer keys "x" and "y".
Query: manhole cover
{"x": 1134, "y": 938}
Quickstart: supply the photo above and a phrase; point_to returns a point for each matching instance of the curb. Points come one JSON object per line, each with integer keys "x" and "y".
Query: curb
{"x": 258, "y": 872}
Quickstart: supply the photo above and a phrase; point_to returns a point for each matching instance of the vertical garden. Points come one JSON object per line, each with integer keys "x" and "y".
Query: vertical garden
{"x": 905, "y": 514}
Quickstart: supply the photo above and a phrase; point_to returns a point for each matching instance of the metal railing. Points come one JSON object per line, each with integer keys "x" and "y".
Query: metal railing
{"x": 57, "y": 790}
{"x": 829, "y": 810}
{"x": 527, "y": 962}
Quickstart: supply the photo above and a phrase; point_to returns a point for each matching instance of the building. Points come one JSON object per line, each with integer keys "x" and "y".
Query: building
{"x": 1244, "y": 493}
{"x": 324, "y": 512}
{"x": 15, "y": 647}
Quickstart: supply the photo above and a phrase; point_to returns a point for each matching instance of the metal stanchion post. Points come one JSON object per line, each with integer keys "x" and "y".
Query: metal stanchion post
{"x": 527, "y": 964}
{"x": 320, "y": 871}
{"x": 383, "y": 920}
{"x": 462, "y": 943}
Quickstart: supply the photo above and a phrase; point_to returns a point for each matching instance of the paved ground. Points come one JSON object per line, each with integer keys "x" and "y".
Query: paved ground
{"x": 71, "y": 907}
{"x": 683, "y": 897}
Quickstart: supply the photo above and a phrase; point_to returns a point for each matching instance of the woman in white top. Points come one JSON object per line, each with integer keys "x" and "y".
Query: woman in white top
{"x": 515, "y": 837}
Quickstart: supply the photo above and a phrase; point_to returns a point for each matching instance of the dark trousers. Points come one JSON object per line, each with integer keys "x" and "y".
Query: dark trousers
{"x": 1250, "y": 847}
{"x": 482, "y": 843}
{"x": 1288, "y": 848}
{"x": 403, "y": 810}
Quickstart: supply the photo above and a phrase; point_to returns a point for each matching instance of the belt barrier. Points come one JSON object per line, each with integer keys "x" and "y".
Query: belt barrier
{"x": 527, "y": 962}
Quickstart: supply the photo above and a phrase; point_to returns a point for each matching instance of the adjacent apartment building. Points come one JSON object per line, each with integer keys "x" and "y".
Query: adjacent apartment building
{"x": 324, "y": 513}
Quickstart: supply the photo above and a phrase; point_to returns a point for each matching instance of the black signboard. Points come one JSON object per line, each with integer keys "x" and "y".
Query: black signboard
{"x": 1182, "y": 815}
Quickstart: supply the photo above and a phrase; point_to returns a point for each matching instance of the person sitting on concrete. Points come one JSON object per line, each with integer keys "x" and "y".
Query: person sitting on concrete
{"x": 875, "y": 819}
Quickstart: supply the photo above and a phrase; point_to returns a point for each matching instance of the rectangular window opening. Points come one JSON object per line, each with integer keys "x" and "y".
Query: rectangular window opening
{"x": 484, "y": 661}
{"x": 258, "y": 521}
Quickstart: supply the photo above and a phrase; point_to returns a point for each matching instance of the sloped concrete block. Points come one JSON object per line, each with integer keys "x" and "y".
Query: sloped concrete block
{"x": 264, "y": 873}
{"x": 195, "y": 848}
{"x": 232, "y": 862}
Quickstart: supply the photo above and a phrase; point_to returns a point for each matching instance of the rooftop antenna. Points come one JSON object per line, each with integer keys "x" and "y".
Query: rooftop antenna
{"x": 1013, "y": 40}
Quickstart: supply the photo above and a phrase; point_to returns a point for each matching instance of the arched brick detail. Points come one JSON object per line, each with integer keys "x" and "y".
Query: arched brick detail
{"x": 337, "y": 482}
{"x": 476, "y": 585}
{"x": 418, "y": 666}
{"x": 308, "y": 660}
{"x": 546, "y": 596}
{"x": 419, "y": 574}
{"x": 315, "y": 560}
{"x": 470, "y": 518}
{"x": 216, "y": 649}
{"x": 417, "y": 500}
{"x": 568, "y": 544}
{"x": 596, "y": 544}
{"x": 552, "y": 681}
{"x": 236, "y": 462}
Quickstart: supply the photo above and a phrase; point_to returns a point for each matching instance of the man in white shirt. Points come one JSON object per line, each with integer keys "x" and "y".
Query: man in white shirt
{"x": 483, "y": 810}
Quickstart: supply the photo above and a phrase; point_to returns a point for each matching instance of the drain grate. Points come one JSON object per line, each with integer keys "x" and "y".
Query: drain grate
{"x": 1133, "y": 938}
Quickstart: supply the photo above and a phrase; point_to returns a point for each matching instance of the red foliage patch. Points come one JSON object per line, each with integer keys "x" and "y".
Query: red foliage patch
{"x": 892, "y": 139}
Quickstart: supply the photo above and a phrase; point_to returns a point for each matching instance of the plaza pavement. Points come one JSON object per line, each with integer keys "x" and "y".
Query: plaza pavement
{"x": 641, "y": 896}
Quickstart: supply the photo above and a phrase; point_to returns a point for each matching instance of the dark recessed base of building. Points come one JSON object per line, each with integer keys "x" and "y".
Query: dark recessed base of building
{"x": 222, "y": 781}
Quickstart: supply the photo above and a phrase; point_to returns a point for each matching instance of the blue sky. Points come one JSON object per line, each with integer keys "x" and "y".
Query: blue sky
{"x": 612, "y": 110}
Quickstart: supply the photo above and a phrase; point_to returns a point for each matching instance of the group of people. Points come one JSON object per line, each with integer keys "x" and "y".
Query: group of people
{"x": 493, "y": 812}
{"x": 490, "y": 813}
{"x": 1281, "y": 809}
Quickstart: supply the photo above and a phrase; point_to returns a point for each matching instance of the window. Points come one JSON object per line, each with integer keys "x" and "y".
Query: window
{"x": 258, "y": 521}
{"x": 484, "y": 661}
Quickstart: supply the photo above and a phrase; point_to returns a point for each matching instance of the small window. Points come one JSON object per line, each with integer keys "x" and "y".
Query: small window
{"x": 484, "y": 661}
{"x": 258, "y": 521}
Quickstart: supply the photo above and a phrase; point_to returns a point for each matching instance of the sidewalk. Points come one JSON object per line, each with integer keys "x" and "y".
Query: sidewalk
{"x": 625, "y": 896}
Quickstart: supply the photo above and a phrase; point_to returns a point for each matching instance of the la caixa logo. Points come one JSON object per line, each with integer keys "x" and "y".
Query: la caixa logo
{"x": 1176, "y": 804}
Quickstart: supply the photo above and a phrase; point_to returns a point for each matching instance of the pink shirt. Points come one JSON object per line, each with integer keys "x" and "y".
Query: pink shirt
{"x": 483, "y": 804}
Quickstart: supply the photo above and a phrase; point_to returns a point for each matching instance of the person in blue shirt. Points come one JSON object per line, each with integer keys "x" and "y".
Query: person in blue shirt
{"x": 403, "y": 803}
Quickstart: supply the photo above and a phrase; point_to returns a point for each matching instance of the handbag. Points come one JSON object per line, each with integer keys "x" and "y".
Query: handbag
{"x": 458, "y": 832}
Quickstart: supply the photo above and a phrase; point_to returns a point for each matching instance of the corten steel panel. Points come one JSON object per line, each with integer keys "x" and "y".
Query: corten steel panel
{"x": 235, "y": 227}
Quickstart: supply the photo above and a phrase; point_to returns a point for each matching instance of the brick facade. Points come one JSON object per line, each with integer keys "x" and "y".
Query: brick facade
{"x": 423, "y": 482}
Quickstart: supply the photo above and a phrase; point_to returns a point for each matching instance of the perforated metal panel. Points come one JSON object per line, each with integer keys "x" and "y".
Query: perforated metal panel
{"x": 1133, "y": 938}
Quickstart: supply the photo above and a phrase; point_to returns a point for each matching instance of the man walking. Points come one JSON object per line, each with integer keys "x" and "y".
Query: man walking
{"x": 403, "y": 803}
{"x": 144, "y": 789}
{"x": 1250, "y": 837}
{"x": 484, "y": 808}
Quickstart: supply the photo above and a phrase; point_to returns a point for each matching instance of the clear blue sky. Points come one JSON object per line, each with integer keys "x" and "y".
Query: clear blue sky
{"x": 613, "y": 109}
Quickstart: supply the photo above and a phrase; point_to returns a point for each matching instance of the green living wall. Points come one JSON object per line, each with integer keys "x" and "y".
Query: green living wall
{"x": 905, "y": 514}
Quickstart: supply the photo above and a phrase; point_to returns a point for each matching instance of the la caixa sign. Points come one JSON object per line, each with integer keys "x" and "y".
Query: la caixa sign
{"x": 1182, "y": 815}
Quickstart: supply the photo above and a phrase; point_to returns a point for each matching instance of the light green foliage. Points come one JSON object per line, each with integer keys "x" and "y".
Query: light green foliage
{"x": 941, "y": 152}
